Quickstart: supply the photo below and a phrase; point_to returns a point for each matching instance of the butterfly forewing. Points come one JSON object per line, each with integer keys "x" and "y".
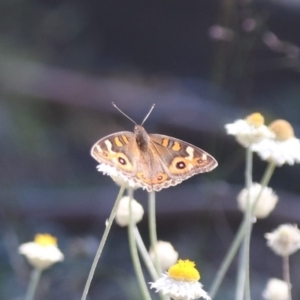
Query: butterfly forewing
{"x": 181, "y": 158}
{"x": 115, "y": 150}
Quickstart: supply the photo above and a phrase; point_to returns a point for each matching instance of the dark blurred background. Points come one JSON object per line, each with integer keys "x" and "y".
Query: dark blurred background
{"x": 204, "y": 64}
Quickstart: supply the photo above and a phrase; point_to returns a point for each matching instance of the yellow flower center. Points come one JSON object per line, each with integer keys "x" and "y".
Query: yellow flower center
{"x": 255, "y": 119}
{"x": 184, "y": 270}
{"x": 282, "y": 129}
{"x": 45, "y": 240}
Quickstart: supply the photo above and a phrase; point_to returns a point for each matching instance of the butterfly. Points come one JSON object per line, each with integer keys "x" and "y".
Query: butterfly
{"x": 150, "y": 161}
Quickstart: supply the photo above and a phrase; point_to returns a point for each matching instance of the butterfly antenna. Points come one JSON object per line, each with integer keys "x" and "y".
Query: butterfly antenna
{"x": 148, "y": 114}
{"x": 123, "y": 112}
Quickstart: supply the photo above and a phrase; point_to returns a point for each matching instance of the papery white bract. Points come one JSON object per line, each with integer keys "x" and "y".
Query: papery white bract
{"x": 181, "y": 282}
{"x": 279, "y": 152}
{"x": 128, "y": 183}
{"x": 122, "y": 214}
{"x": 117, "y": 176}
{"x": 285, "y": 240}
{"x": 249, "y": 131}
{"x": 264, "y": 206}
{"x": 283, "y": 148}
{"x": 179, "y": 290}
{"x": 276, "y": 289}
{"x": 166, "y": 254}
{"x": 42, "y": 252}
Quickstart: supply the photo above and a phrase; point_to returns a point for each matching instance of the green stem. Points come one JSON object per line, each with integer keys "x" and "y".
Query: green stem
{"x": 34, "y": 280}
{"x": 243, "y": 264}
{"x": 227, "y": 260}
{"x": 248, "y": 177}
{"x": 238, "y": 237}
{"x": 264, "y": 182}
{"x": 240, "y": 280}
{"x": 134, "y": 252}
{"x": 102, "y": 243}
{"x": 152, "y": 228}
{"x": 145, "y": 255}
{"x": 147, "y": 260}
{"x": 248, "y": 171}
{"x": 247, "y": 257}
{"x": 286, "y": 274}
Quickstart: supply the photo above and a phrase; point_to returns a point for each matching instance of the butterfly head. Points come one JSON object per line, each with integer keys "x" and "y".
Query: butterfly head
{"x": 142, "y": 138}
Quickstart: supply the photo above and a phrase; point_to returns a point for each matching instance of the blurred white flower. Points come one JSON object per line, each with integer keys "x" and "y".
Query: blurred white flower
{"x": 122, "y": 215}
{"x": 285, "y": 240}
{"x": 220, "y": 33}
{"x": 283, "y": 148}
{"x": 249, "y": 24}
{"x": 264, "y": 206}
{"x": 42, "y": 252}
{"x": 272, "y": 41}
{"x": 275, "y": 44}
{"x": 166, "y": 254}
{"x": 276, "y": 289}
{"x": 249, "y": 131}
{"x": 181, "y": 282}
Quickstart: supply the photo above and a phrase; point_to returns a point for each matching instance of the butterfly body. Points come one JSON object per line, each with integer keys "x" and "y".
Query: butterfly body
{"x": 152, "y": 161}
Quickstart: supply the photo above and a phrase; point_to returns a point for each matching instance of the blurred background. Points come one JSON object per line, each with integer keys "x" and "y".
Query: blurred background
{"x": 204, "y": 64}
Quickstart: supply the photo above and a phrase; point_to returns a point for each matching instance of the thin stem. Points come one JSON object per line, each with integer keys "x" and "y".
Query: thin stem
{"x": 102, "y": 243}
{"x": 238, "y": 238}
{"x": 286, "y": 274}
{"x": 240, "y": 280}
{"x": 243, "y": 263}
{"x": 34, "y": 280}
{"x": 152, "y": 228}
{"x": 264, "y": 182}
{"x": 249, "y": 212}
{"x": 146, "y": 259}
{"x": 247, "y": 257}
{"x": 248, "y": 171}
{"x": 248, "y": 177}
{"x": 227, "y": 260}
{"x": 144, "y": 254}
{"x": 134, "y": 252}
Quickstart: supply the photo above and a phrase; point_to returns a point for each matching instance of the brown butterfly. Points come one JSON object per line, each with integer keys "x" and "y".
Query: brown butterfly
{"x": 151, "y": 161}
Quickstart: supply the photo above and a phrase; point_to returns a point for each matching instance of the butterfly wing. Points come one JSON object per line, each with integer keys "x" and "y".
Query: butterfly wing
{"x": 119, "y": 156}
{"x": 180, "y": 159}
{"x": 114, "y": 153}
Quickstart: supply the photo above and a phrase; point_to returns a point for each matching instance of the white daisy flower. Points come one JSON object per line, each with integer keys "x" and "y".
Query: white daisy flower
{"x": 117, "y": 177}
{"x": 122, "y": 214}
{"x": 249, "y": 131}
{"x": 265, "y": 204}
{"x": 285, "y": 240}
{"x": 181, "y": 282}
{"x": 276, "y": 289}
{"x": 166, "y": 254}
{"x": 124, "y": 182}
{"x": 283, "y": 148}
{"x": 42, "y": 252}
